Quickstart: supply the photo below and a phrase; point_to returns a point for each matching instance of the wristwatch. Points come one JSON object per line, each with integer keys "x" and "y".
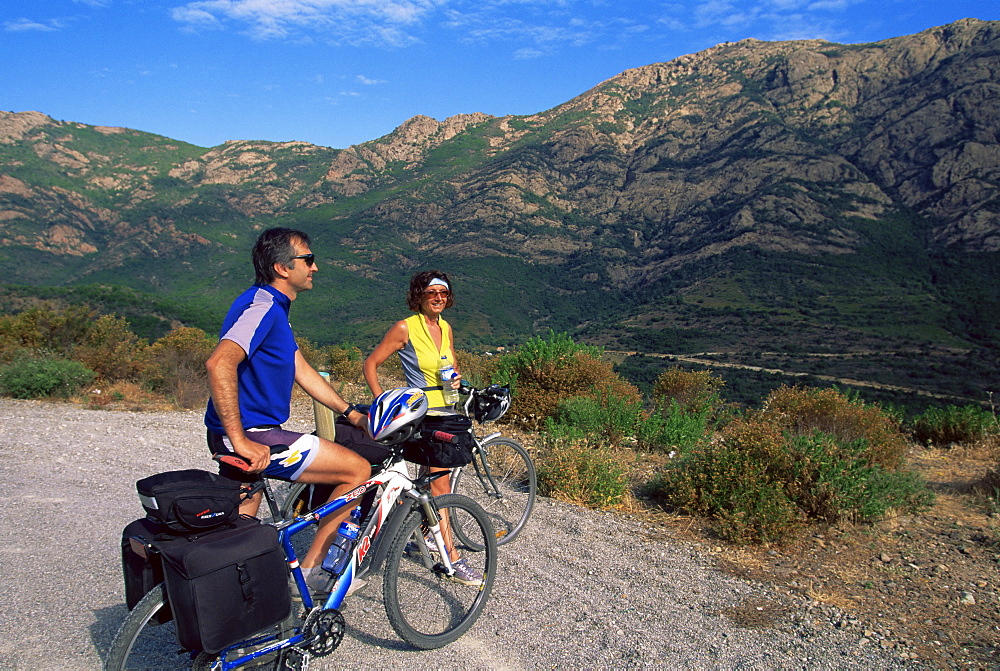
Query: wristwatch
{"x": 348, "y": 410}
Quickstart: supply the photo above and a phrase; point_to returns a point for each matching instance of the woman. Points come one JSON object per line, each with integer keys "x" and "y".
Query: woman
{"x": 424, "y": 342}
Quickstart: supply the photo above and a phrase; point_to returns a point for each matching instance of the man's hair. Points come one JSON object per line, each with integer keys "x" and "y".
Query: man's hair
{"x": 420, "y": 281}
{"x": 274, "y": 246}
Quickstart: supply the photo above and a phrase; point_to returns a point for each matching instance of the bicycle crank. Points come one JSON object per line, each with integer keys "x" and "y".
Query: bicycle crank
{"x": 324, "y": 630}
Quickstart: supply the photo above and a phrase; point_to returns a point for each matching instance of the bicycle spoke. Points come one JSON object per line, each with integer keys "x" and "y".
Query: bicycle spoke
{"x": 503, "y": 483}
{"x": 427, "y": 608}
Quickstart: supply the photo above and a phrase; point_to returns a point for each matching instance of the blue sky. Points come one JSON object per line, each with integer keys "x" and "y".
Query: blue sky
{"x": 340, "y": 72}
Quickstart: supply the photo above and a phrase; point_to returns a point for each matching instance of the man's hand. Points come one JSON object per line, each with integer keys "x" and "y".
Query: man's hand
{"x": 257, "y": 454}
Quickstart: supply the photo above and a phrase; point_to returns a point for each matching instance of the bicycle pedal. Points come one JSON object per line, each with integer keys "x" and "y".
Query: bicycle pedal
{"x": 296, "y": 659}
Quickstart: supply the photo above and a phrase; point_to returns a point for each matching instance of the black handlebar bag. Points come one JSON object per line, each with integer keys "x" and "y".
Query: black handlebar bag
{"x": 226, "y": 584}
{"x": 427, "y": 450}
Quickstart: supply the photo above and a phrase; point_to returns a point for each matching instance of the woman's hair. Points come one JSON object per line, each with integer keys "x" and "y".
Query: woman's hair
{"x": 274, "y": 246}
{"x": 420, "y": 281}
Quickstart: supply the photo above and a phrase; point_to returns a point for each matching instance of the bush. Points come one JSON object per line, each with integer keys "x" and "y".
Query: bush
{"x": 604, "y": 417}
{"x": 477, "y": 369}
{"x": 314, "y": 355}
{"x": 26, "y": 377}
{"x": 695, "y": 392}
{"x": 545, "y": 371}
{"x": 769, "y": 473}
{"x": 344, "y": 363}
{"x": 45, "y": 332}
{"x": 111, "y": 350}
{"x": 175, "y": 365}
{"x": 833, "y": 481}
{"x": 733, "y": 489}
{"x": 803, "y": 411}
{"x": 574, "y": 470}
{"x": 670, "y": 428}
{"x": 952, "y": 425}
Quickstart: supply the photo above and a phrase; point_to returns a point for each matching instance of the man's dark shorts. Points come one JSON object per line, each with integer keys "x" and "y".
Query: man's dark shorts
{"x": 299, "y": 450}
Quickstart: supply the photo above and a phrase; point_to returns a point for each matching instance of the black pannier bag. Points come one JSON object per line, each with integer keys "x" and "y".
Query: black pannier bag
{"x": 427, "y": 450}
{"x": 142, "y": 570}
{"x": 226, "y": 584}
{"x": 189, "y": 500}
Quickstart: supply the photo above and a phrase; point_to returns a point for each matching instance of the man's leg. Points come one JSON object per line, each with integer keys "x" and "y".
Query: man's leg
{"x": 339, "y": 466}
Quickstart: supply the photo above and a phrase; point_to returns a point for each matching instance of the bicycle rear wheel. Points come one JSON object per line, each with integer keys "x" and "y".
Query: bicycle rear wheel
{"x": 502, "y": 479}
{"x": 426, "y": 608}
{"x": 141, "y": 643}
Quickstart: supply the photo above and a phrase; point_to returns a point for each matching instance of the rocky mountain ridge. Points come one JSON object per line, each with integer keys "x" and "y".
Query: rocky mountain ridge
{"x": 666, "y": 180}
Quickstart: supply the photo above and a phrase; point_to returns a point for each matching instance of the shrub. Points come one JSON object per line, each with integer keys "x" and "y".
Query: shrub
{"x": 574, "y": 470}
{"x": 833, "y": 481}
{"x": 803, "y": 411}
{"x": 670, "y": 428}
{"x": 27, "y": 377}
{"x": 604, "y": 417}
{"x": 690, "y": 391}
{"x": 44, "y": 331}
{"x": 315, "y": 356}
{"x": 768, "y": 473}
{"x": 343, "y": 362}
{"x": 111, "y": 350}
{"x": 175, "y": 365}
{"x": 543, "y": 372}
{"x": 477, "y": 369}
{"x": 953, "y": 425}
{"x": 732, "y": 488}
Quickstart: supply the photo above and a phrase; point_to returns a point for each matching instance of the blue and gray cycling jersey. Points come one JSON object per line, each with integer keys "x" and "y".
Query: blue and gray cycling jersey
{"x": 258, "y": 322}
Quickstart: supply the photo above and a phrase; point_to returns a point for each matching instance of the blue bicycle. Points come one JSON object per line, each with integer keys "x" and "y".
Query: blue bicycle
{"x": 400, "y": 535}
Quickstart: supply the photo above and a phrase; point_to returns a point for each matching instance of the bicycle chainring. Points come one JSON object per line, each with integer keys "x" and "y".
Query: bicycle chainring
{"x": 324, "y": 630}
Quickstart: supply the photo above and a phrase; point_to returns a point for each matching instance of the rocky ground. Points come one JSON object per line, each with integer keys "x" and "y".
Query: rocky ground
{"x": 926, "y": 586}
{"x": 920, "y": 591}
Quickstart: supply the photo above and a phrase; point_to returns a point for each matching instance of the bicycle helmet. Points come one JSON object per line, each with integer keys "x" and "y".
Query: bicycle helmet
{"x": 395, "y": 414}
{"x": 491, "y": 403}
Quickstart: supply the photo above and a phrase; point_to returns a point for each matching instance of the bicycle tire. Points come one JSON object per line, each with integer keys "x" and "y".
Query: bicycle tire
{"x": 427, "y": 609}
{"x": 142, "y": 644}
{"x": 292, "y": 502}
{"x": 510, "y": 503}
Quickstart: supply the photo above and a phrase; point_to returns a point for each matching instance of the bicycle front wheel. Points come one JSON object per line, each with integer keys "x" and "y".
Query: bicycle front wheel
{"x": 502, "y": 479}
{"x": 141, "y": 643}
{"x": 426, "y": 608}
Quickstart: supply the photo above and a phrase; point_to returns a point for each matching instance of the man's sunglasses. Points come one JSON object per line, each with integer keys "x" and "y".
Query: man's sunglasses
{"x": 308, "y": 258}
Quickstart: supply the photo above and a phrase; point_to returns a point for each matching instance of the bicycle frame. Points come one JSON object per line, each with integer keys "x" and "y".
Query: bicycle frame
{"x": 387, "y": 515}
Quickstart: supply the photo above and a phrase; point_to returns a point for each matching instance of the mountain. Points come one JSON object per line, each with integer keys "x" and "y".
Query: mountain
{"x": 799, "y": 195}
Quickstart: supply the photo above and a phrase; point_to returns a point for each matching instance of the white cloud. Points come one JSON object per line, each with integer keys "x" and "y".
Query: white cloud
{"x": 370, "y": 82}
{"x": 26, "y": 25}
{"x": 528, "y": 53}
{"x": 338, "y": 21}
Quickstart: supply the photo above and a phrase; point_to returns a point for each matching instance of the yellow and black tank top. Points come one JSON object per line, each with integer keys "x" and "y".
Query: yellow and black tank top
{"x": 421, "y": 359}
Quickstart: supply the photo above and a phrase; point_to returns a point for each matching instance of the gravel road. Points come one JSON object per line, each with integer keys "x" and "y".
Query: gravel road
{"x": 579, "y": 589}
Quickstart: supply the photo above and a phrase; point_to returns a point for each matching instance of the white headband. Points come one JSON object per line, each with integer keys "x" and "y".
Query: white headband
{"x": 439, "y": 283}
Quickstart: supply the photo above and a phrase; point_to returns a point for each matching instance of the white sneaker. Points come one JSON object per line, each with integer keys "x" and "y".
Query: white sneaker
{"x": 356, "y": 584}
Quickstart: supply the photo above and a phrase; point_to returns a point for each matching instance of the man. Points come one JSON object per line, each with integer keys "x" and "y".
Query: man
{"x": 251, "y": 373}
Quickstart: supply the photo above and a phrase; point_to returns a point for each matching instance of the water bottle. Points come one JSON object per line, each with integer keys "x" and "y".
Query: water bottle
{"x": 340, "y": 550}
{"x": 447, "y": 375}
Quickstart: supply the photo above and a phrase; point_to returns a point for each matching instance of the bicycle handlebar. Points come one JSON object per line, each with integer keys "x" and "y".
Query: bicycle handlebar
{"x": 444, "y": 437}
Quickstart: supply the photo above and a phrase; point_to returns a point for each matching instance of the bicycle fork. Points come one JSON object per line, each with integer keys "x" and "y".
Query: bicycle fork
{"x": 433, "y": 519}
